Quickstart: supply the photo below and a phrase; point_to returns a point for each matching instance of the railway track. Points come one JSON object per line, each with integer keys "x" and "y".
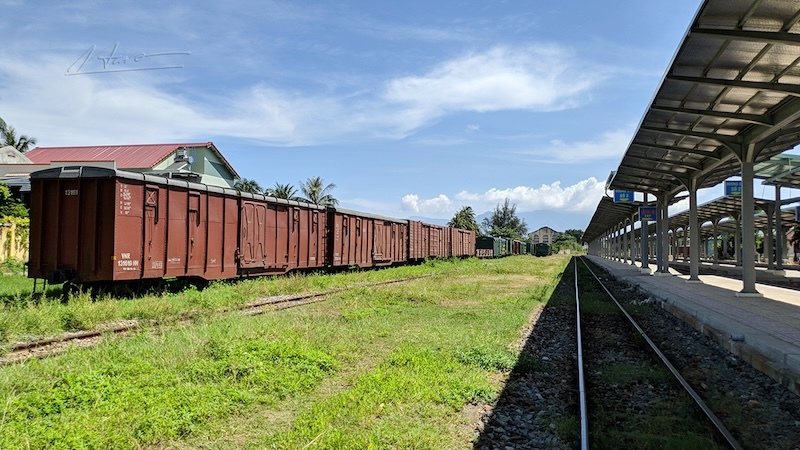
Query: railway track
{"x": 630, "y": 395}
{"x": 55, "y": 345}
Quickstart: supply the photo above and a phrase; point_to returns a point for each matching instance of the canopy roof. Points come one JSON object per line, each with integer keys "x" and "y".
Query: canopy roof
{"x": 788, "y": 219}
{"x": 781, "y": 170}
{"x": 733, "y": 82}
{"x": 607, "y": 216}
{"x": 732, "y": 92}
{"x": 716, "y": 210}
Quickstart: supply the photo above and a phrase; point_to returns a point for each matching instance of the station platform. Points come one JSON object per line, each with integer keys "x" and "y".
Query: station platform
{"x": 788, "y": 277}
{"x": 764, "y": 331}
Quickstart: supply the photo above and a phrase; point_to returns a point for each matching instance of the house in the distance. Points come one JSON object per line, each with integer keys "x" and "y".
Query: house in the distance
{"x": 198, "y": 162}
{"x": 544, "y": 235}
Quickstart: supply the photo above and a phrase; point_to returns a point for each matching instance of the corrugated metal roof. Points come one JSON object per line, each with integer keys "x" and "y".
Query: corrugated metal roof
{"x": 607, "y": 216}
{"x": 782, "y": 170}
{"x": 732, "y": 91}
{"x": 126, "y": 156}
{"x": 139, "y": 156}
{"x": 716, "y": 210}
{"x": 734, "y": 81}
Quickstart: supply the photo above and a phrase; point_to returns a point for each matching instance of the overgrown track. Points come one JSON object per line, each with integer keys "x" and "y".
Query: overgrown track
{"x": 635, "y": 396}
{"x": 58, "y": 344}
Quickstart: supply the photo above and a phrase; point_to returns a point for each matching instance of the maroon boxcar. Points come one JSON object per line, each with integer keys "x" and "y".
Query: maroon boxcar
{"x": 365, "y": 240}
{"x": 462, "y": 242}
{"x": 279, "y": 235}
{"x": 428, "y": 241}
{"x": 96, "y": 225}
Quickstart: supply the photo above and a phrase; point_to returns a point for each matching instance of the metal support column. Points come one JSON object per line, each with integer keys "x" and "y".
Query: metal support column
{"x": 768, "y": 239}
{"x": 748, "y": 232}
{"x": 779, "y": 236}
{"x": 663, "y": 236}
{"x": 716, "y": 240}
{"x": 737, "y": 242}
{"x": 624, "y": 236}
{"x": 633, "y": 240}
{"x": 694, "y": 235}
{"x": 645, "y": 241}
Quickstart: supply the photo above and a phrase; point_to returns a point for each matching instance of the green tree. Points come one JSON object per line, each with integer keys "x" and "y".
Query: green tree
{"x": 9, "y": 137}
{"x": 577, "y": 234}
{"x": 286, "y": 191}
{"x": 9, "y": 205}
{"x": 567, "y": 242}
{"x": 247, "y": 185}
{"x": 465, "y": 220}
{"x": 317, "y": 193}
{"x": 504, "y": 222}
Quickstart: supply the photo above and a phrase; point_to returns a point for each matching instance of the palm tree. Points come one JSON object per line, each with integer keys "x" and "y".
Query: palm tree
{"x": 317, "y": 194}
{"x": 246, "y": 185}
{"x": 286, "y": 191}
{"x": 464, "y": 219}
{"x": 9, "y": 137}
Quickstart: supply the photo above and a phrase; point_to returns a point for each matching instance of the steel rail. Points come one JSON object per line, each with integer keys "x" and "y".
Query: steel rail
{"x": 581, "y": 378}
{"x": 721, "y": 428}
{"x": 259, "y": 307}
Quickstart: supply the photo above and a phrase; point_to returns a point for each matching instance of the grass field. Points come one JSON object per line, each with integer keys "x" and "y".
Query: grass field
{"x": 372, "y": 367}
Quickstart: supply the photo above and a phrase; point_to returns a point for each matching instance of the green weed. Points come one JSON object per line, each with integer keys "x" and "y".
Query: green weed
{"x": 381, "y": 367}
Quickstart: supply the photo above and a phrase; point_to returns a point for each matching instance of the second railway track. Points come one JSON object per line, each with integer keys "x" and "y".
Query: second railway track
{"x": 55, "y": 345}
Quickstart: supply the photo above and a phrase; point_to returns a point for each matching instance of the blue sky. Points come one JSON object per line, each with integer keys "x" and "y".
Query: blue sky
{"x": 413, "y": 109}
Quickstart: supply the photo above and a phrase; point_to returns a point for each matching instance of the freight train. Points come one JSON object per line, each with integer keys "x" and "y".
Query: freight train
{"x": 107, "y": 229}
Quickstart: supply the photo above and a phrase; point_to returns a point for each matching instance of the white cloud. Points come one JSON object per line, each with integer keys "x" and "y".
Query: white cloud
{"x": 435, "y": 206}
{"x": 582, "y": 196}
{"x": 579, "y": 197}
{"x": 70, "y": 109}
{"x": 611, "y": 144}
{"x": 533, "y": 78}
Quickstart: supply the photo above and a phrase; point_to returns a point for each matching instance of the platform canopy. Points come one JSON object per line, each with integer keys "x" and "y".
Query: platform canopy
{"x": 607, "y": 216}
{"x": 716, "y": 210}
{"x": 783, "y": 170}
{"x": 788, "y": 217}
{"x": 731, "y": 93}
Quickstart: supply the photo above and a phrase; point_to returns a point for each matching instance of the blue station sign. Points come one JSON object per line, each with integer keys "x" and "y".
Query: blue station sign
{"x": 733, "y": 188}
{"x": 797, "y": 213}
{"x": 623, "y": 196}
{"x": 647, "y": 213}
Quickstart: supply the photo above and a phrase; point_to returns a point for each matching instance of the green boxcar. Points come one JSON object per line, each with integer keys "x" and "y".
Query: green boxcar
{"x": 488, "y": 247}
{"x": 541, "y": 249}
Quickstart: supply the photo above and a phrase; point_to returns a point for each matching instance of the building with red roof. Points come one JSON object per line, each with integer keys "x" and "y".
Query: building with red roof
{"x": 198, "y": 162}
